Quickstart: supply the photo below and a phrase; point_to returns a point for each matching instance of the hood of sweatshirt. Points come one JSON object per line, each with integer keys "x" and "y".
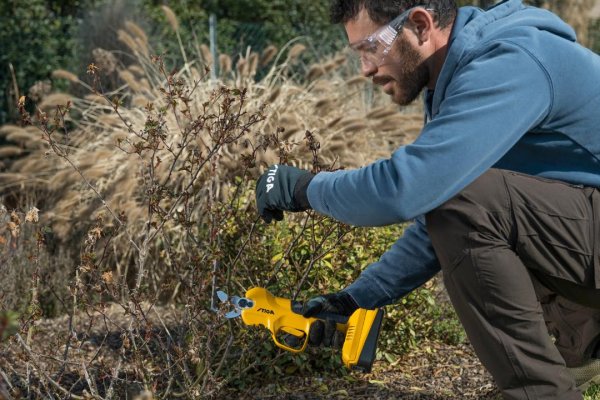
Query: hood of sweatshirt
{"x": 474, "y": 28}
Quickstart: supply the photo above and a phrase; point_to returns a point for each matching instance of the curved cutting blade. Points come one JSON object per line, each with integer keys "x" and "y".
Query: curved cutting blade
{"x": 222, "y": 296}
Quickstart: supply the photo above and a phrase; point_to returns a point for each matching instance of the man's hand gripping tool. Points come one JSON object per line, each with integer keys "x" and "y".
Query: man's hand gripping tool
{"x": 282, "y": 316}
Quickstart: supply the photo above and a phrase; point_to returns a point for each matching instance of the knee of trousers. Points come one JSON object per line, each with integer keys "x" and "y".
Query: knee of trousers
{"x": 482, "y": 209}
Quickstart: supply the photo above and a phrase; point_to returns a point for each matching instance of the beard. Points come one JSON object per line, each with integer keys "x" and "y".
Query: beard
{"x": 409, "y": 74}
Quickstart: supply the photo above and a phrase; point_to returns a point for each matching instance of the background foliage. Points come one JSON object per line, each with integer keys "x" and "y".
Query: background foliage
{"x": 39, "y": 36}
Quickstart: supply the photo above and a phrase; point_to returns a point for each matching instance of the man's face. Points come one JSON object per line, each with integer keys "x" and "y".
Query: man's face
{"x": 402, "y": 73}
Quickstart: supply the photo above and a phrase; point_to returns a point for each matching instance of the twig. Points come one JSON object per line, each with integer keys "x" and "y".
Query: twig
{"x": 41, "y": 371}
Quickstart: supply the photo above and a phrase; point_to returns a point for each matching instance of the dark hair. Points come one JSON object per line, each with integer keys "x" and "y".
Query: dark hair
{"x": 383, "y": 11}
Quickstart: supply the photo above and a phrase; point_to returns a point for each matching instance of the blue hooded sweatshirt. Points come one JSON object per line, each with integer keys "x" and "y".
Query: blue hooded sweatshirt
{"x": 515, "y": 92}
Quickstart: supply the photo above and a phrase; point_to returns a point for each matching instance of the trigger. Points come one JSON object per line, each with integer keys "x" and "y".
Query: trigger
{"x": 293, "y": 331}
{"x": 290, "y": 338}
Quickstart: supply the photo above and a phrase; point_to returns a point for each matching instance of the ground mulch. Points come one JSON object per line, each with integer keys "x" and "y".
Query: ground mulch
{"x": 436, "y": 372}
{"x": 433, "y": 371}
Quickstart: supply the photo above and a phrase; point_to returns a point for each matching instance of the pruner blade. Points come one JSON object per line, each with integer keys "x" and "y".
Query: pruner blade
{"x": 222, "y": 296}
{"x": 238, "y": 303}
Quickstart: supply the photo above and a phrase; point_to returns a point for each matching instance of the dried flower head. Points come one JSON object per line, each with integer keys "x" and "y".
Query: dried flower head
{"x": 93, "y": 235}
{"x": 107, "y": 277}
{"x": 32, "y": 215}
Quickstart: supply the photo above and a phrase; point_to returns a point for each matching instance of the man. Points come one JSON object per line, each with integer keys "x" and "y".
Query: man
{"x": 501, "y": 183}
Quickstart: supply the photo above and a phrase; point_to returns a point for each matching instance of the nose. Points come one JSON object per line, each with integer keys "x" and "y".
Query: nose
{"x": 367, "y": 67}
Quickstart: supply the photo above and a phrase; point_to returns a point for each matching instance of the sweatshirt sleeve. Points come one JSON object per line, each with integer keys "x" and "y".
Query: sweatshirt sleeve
{"x": 495, "y": 97}
{"x": 408, "y": 264}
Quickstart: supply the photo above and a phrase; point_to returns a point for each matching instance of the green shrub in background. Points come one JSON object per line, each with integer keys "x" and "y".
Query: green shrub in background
{"x": 36, "y": 37}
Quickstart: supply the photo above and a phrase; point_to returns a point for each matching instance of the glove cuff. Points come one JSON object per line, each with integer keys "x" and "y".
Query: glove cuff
{"x": 301, "y": 192}
{"x": 344, "y": 303}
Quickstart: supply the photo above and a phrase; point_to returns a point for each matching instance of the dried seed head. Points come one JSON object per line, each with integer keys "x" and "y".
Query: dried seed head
{"x": 63, "y": 74}
{"x": 206, "y": 54}
{"x": 127, "y": 39}
{"x": 136, "y": 31}
{"x": 315, "y": 72}
{"x": 127, "y": 77}
{"x": 139, "y": 101}
{"x": 142, "y": 47}
{"x": 224, "y": 64}
{"x": 55, "y": 99}
{"x": 10, "y": 151}
{"x": 330, "y": 66}
{"x": 39, "y": 90}
{"x": 136, "y": 69}
{"x": 8, "y": 129}
{"x": 382, "y": 112}
{"x": 171, "y": 17}
{"x": 104, "y": 60}
{"x": 323, "y": 85}
{"x": 296, "y": 50}
{"x": 359, "y": 79}
{"x": 350, "y": 121}
{"x": 340, "y": 60}
{"x": 267, "y": 55}
{"x": 252, "y": 64}
{"x": 323, "y": 106}
{"x": 109, "y": 120}
{"x": 145, "y": 85}
{"x": 96, "y": 98}
{"x": 242, "y": 66}
{"x": 274, "y": 94}
{"x": 333, "y": 122}
{"x": 21, "y": 136}
{"x": 355, "y": 127}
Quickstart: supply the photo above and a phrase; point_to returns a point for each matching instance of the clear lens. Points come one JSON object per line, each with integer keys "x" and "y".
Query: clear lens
{"x": 373, "y": 50}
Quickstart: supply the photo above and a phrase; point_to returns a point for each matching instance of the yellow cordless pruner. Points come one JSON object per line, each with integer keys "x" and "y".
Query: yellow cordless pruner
{"x": 282, "y": 316}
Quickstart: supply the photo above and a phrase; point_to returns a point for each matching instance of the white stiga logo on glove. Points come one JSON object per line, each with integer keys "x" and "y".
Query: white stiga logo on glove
{"x": 271, "y": 177}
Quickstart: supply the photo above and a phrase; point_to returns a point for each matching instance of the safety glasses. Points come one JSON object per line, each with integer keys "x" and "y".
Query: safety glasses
{"x": 374, "y": 49}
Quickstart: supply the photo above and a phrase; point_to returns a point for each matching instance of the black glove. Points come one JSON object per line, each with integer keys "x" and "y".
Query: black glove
{"x": 324, "y": 332}
{"x": 282, "y": 188}
{"x": 340, "y": 303}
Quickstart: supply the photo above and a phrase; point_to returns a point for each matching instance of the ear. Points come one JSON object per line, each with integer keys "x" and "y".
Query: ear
{"x": 421, "y": 24}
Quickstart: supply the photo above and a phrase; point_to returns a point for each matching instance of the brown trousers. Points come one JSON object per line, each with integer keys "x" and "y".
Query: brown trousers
{"x": 520, "y": 257}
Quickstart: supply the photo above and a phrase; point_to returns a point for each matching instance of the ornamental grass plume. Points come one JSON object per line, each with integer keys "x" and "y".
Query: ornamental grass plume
{"x": 105, "y": 60}
{"x": 331, "y": 105}
{"x": 224, "y": 64}
{"x": 171, "y": 17}
{"x": 64, "y": 74}
{"x": 267, "y": 55}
